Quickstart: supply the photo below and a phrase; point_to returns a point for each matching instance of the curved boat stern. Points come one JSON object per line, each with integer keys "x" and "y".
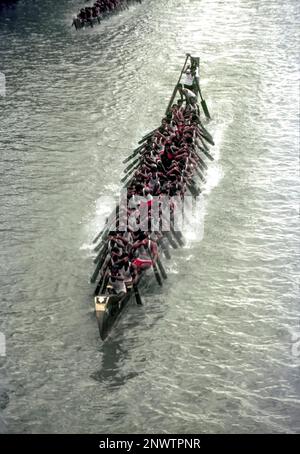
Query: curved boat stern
{"x": 102, "y": 314}
{"x": 108, "y": 308}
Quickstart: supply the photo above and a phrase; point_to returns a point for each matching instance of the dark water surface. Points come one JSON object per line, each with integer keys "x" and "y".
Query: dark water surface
{"x": 218, "y": 349}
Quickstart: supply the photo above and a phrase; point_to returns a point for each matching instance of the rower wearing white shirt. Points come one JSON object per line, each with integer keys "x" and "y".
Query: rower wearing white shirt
{"x": 188, "y": 79}
{"x": 189, "y": 95}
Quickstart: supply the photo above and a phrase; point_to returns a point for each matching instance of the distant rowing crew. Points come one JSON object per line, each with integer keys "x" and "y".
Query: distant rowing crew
{"x": 90, "y": 15}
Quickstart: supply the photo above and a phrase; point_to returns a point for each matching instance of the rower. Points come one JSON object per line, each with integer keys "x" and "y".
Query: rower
{"x": 188, "y": 79}
{"x": 148, "y": 199}
{"x": 116, "y": 281}
{"x": 118, "y": 255}
{"x": 133, "y": 202}
{"x": 88, "y": 13}
{"x": 154, "y": 182}
{"x": 76, "y": 22}
{"x": 95, "y": 12}
{"x": 82, "y": 14}
{"x": 142, "y": 260}
{"x": 129, "y": 272}
{"x": 152, "y": 246}
{"x": 189, "y": 95}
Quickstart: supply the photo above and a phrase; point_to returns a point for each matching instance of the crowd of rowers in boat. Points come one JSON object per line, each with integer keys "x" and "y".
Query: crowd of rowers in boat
{"x": 99, "y": 9}
{"x": 166, "y": 166}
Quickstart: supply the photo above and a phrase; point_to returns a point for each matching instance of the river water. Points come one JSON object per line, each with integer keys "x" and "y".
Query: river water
{"x": 218, "y": 349}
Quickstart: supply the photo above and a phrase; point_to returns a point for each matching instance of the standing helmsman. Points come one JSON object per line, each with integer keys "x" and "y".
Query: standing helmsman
{"x": 188, "y": 79}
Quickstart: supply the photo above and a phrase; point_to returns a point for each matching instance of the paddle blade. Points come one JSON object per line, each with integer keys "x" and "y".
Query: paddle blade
{"x": 202, "y": 164}
{"x": 137, "y": 295}
{"x": 202, "y": 178}
{"x": 170, "y": 239}
{"x": 97, "y": 237}
{"x": 194, "y": 190}
{"x": 127, "y": 159}
{"x": 178, "y": 236}
{"x": 157, "y": 275}
{"x": 164, "y": 248}
{"x": 96, "y": 272}
{"x": 99, "y": 256}
{"x": 167, "y": 253}
{"x": 207, "y": 137}
{"x": 161, "y": 269}
{"x": 98, "y": 247}
{"x": 205, "y": 109}
{"x": 132, "y": 164}
{"x": 208, "y": 155}
{"x": 203, "y": 130}
{"x": 124, "y": 178}
{"x": 133, "y": 154}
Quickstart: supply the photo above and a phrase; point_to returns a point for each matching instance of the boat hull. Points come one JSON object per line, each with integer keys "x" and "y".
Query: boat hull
{"x": 108, "y": 307}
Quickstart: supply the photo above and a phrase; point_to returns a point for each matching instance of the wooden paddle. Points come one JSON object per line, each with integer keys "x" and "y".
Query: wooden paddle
{"x": 105, "y": 282}
{"x": 129, "y": 174}
{"x": 98, "y": 288}
{"x": 132, "y": 164}
{"x": 204, "y": 130}
{"x": 162, "y": 269}
{"x": 103, "y": 230}
{"x": 194, "y": 190}
{"x": 170, "y": 239}
{"x": 203, "y": 103}
{"x": 176, "y": 86}
{"x": 208, "y": 155}
{"x": 134, "y": 153}
{"x": 205, "y": 150}
{"x": 99, "y": 255}
{"x": 99, "y": 246}
{"x": 137, "y": 295}
{"x": 203, "y": 144}
{"x": 206, "y": 136}
{"x": 176, "y": 234}
{"x": 147, "y": 136}
{"x": 156, "y": 272}
{"x": 202, "y": 178}
{"x": 164, "y": 248}
{"x": 202, "y": 164}
{"x": 100, "y": 264}
{"x": 96, "y": 272}
{"x": 100, "y": 233}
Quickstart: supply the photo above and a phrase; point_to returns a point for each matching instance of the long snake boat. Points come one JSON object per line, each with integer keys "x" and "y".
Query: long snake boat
{"x": 101, "y": 9}
{"x": 169, "y": 163}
